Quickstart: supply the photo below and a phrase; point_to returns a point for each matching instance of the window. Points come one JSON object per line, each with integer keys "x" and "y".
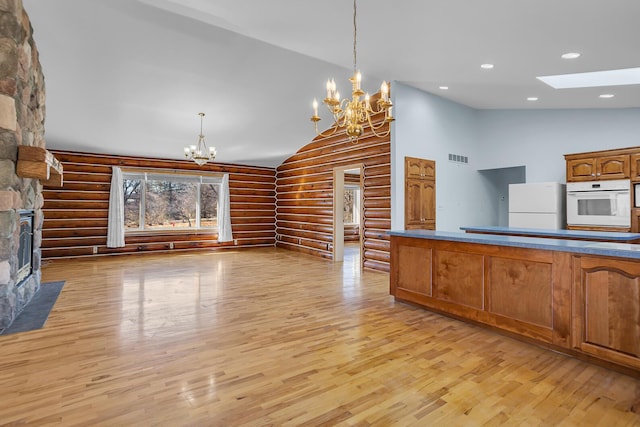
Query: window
{"x": 154, "y": 201}
{"x": 351, "y": 204}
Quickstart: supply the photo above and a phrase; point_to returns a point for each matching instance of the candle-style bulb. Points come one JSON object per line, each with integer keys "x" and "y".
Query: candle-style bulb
{"x": 315, "y": 107}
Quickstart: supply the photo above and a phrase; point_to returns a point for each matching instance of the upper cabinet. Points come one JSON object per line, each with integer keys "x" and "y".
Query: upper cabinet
{"x": 581, "y": 170}
{"x": 635, "y": 167}
{"x": 613, "y": 167}
{"x": 419, "y": 168}
{"x": 611, "y": 164}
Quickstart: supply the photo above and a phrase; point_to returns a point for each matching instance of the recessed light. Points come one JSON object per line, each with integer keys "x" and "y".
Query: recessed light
{"x": 487, "y": 66}
{"x": 626, "y": 76}
{"x": 532, "y": 98}
{"x": 444, "y": 87}
{"x": 570, "y": 55}
{"x": 607, "y": 95}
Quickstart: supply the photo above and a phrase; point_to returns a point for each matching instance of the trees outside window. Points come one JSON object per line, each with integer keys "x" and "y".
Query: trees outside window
{"x": 351, "y": 204}
{"x": 170, "y": 202}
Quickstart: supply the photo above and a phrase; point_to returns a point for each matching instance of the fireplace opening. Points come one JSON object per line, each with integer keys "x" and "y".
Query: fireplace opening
{"x": 25, "y": 248}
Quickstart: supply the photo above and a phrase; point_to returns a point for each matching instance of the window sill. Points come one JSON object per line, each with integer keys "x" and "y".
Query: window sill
{"x": 211, "y": 231}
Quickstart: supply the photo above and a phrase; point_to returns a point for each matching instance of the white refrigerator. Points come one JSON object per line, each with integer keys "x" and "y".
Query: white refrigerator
{"x": 537, "y": 205}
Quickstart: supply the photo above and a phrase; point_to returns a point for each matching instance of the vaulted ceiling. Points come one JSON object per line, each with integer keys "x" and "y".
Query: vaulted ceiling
{"x": 130, "y": 76}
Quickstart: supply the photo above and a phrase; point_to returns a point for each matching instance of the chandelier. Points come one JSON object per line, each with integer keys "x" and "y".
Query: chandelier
{"x": 199, "y": 152}
{"x": 351, "y": 114}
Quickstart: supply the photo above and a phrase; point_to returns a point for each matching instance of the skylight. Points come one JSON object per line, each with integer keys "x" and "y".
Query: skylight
{"x": 626, "y": 76}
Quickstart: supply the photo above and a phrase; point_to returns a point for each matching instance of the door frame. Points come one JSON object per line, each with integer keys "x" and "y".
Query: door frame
{"x": 338, "y": 210}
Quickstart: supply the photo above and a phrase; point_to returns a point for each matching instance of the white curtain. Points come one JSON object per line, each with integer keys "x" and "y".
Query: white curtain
{"x": 115, "y": 230}
{"x": 224, "y": 215}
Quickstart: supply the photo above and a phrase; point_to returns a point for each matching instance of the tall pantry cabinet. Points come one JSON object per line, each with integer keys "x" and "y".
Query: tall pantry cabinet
{"x": 419, "y": 194}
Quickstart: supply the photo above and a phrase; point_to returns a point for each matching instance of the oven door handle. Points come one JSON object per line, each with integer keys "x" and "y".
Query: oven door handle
{"x": 597, "y": 194}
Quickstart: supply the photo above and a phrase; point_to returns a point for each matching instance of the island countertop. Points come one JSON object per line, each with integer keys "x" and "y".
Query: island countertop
{"x": 609, "y": 236}
{"x": 610, "y": 249}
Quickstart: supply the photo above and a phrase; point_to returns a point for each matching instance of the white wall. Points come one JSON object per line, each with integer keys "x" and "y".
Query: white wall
{"x": 431, "y": 127}
{"x": 539, "y": 139}
{"x": 499, "y": 179}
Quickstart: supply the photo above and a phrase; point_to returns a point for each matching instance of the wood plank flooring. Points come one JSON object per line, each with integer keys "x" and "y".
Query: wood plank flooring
{"x": 269, "y": 337}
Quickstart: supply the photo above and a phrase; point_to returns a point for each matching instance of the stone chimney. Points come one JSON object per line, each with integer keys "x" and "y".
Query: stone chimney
{"x": 22, "y": 113}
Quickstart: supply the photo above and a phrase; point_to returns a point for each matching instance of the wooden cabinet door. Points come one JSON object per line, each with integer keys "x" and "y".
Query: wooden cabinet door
{"x": 581, "y": 170}
{"x": 635, "y": 167}
{"x": 413, "y": 167}
{"x": 429, "y": 169}
{"x": 419, "y": 168}
{"x": 635, "y": 220}
{"x": 410, "y": 266}
{"x": 607, "y": 309}
{"x": 420, "y": 205}
{"x": 613, "y": 167}
{"x": 413, "y": 204}
{"x": 429, "y": 205}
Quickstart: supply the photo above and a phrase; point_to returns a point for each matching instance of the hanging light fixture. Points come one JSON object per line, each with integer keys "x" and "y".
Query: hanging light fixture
{"x": 351, "y": 114}
{"x": 199, "y": 153}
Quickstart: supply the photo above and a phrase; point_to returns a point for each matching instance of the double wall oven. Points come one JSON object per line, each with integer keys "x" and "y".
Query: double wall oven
{"x": 604, "y": 203}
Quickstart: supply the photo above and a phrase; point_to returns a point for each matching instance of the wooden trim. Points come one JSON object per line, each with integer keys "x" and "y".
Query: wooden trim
{"x": 615, "y": 152}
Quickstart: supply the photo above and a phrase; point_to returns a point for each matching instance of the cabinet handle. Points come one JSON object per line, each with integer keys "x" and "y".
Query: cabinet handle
{"x": 598, "y": 174}
{"x": 593, "y": 174}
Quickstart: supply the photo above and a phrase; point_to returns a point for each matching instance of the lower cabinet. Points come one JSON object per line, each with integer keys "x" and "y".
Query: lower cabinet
{"x": 606, "y": 308}
{"x": 578, "y": 304}
{"x": 514, "y": 289}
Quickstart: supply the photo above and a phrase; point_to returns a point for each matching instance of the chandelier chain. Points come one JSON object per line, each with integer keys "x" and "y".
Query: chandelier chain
{"x": 354, "y": 114}
{"x": 355, "y": 39}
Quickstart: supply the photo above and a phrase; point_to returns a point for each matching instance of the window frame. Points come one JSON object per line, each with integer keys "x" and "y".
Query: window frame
{"x": 356, "y": 203}
{"x": 145, "y": 175}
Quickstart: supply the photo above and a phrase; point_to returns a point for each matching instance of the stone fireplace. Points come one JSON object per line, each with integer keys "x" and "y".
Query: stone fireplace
{"x": 22, "y": 113}
{"x": 25, "y": 247}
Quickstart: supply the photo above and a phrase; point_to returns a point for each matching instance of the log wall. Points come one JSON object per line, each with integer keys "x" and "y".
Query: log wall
{"x": 304, "y": 192}
{"x": 75, "y": 216}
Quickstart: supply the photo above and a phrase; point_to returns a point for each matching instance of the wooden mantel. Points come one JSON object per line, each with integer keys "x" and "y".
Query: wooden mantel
{"x": 37, "y": 162}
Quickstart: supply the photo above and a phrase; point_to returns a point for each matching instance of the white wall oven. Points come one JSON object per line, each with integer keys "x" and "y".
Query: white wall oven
{"x": 599, "y": 203}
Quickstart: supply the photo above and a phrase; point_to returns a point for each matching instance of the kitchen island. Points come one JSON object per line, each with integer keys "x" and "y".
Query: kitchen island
{"x": 580, "y": 297}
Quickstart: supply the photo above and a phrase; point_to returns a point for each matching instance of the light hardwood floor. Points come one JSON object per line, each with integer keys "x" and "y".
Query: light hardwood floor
{"x": 269, "y": 337}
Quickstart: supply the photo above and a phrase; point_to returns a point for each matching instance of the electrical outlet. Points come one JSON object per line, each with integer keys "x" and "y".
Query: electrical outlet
{"x": 95, "y": 249}
{"x": 170, "y": 245}
{"x": 235, "y": 241}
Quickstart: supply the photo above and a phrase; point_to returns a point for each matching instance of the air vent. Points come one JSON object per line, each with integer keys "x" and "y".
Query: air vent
{"x": 456, "y": 158}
